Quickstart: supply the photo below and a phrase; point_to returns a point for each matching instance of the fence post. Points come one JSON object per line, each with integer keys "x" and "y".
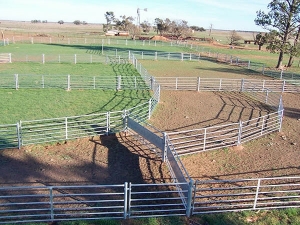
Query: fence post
{"x": 66, "y": 127}
{"x": 102, "y": 47}
{"x": 116, "y": 53}
{"x": 126, "y": 205}
{"x": 43, "y": 58}
{"x": 169, "y": 56}
{"x": 51, "y": 203}
{"x": 204, "y": 139}
{"x": 19, "y": 135}
{"x": 181, "y": 56}
{"x": 149, "y": 109}
{"x": 220, "y": 84}
{"x": 190, "y": 56}
{"x": 9, "y": 55}
{"x": 249, "y": 65}
{"x": 68, "y": 83}
{"x": 164, "y": 152}
{"x": 155, "y": 57}
{"x": 256, "y": 194}
{"x": 189, "y": 206}
{"x": 58, "y": 58}
{"x": 267, "y": 96}
{"x": 119, "y": 83}
{"x": 91, "y": 58}
{"x": 283, "y": 86}
{"x": 239, "y": 141}
{"x": 242, "y": 85}
{"x": 32, "y": 40}
{"x": 142, "y": 55}
{"x": 16, "y": 81}
{"x": 281, "y": 73}
{"x": 280, "y": 113}
{"x": 263, "y": 70}
{"x": 75, "y": 58}
{"x": 198, "y": 84}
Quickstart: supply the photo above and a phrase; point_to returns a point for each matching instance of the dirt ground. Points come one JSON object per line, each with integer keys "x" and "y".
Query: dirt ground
{"x": 119, "y": 158}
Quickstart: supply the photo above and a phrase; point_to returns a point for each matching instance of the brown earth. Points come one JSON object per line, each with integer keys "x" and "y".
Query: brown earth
{"x": 118, "y": 159}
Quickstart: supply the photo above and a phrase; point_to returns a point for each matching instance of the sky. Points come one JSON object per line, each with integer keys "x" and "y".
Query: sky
{"x": 221, "y": 14}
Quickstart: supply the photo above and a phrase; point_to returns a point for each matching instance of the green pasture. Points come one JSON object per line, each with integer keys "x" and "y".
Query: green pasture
{"x": 33, "y": 104}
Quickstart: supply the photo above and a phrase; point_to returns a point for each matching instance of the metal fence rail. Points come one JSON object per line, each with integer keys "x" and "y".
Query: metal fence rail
{"x": 215, "y": 196}
{"x": 59, "y": 203}
{"x": 217, "y": 137}
{"x": 68, "y": 82}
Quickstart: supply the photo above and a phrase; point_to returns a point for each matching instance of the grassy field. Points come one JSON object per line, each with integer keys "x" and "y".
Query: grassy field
{"x": 37, "y": 104}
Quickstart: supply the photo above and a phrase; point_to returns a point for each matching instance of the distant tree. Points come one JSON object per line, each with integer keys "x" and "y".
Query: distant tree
{"x": 196, "y": 28}
{"x": 44, "y": 21}
{"x": 234, "y": 38}
{"x": 61, "y": 22}
{"x": 162, "y": 26}
{"x": 35, "y": 21}
{"x": 179, "y": 29}
{"x": 77, "y": 22}
{"x": 110, "y": 18}
{"x": 283, "y": 17}
{"x": 84, "y": 23}
{"x": 124, "y": 23}
{"x": 261, "y": 39}
{"x": 146, "y": 26}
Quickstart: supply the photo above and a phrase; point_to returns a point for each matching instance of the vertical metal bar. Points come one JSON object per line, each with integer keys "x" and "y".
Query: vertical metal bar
{"x": 249, "y": 65}
{"x": 51, "y": 203}
{"x": 129, "y": 197}
{"x": 43, "y": 58}
{"x": 239, "y": 141}
{"x": 9, "y": 55}
{"x": 116, "y": 53}
{"x": 263, "y": 86}
{"x": 164, "y": 152}
{"x": 190, "y": 56}
{"x": 19, "y": 135}
{"x": 75, "y": 58}
{"x": 142, "y": 55}
{"x": 125, "y": 200}
{"x": 91, "y": 59}
{"x": 189, "y": 206}
{"x": 155, "y": 57}
{"x": 220, "y": 85}
{"x": 16, "y": 81}
{"x": 94, "y": 81}
{"x": 242, "y": 85}
{"x": 149, "y": 108}
{"x": 198, "y": 84}
{"x": 68, "y": 84}
{"x": 267, "y": 96}
{"x": 58, "y": 58}
{"x": 119, "y": 83}
{"x": 283, "y": 86}
{"x": 135, "y": 84}
{"x": 102, "y": 47}
{"x": 181, "y": 56}
{"x": 281, "y": 73}
{"x": 256, "y": 194}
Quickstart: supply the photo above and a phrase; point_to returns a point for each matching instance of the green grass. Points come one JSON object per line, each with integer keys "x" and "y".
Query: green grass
{"x": 27, "y": 104}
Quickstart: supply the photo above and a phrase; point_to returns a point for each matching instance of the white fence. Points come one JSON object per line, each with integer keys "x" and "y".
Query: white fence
{"x": 68, "y": 82}
{"x": 5, "y": 57}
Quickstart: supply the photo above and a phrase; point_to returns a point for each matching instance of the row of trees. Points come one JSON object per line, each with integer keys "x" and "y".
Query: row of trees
{"x": 283, "y": 25}
{"x": 175, "y": 28}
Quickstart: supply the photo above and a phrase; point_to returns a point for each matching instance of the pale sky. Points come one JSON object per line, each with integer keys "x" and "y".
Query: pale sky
{"x": 222, "y": 14}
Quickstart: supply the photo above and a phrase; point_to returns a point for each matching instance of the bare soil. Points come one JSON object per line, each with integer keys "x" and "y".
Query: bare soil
{"x": 119, "y": 158}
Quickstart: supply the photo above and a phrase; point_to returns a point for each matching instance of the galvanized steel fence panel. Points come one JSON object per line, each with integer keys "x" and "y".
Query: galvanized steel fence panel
{"x": 9, "y": 137}
{"x": 216, "y": 196}
{"x": 155, "y": 200}
{"x": 59, "y": 203}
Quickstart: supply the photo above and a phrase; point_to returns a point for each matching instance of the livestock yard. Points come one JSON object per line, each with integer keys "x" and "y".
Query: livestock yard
{"x": 82, "y": 112}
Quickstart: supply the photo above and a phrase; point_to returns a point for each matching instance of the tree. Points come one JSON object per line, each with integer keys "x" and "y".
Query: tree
{"x": 234, "y": 38}
{"x": 162, "y": 26}
{"x": 77, "y": 22}
{"x": 295, "y": 51}
{"x": 61, "y": 22}
{"x": 260, "y": 40}
{"x": 110, "y": 18}
{"x": 146, "y": 26}
{"x": 179, "y": 29}
{"x": 196, "y": 28}
{"x": 124, "y": 23}
{"x": 283, "y": 18}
